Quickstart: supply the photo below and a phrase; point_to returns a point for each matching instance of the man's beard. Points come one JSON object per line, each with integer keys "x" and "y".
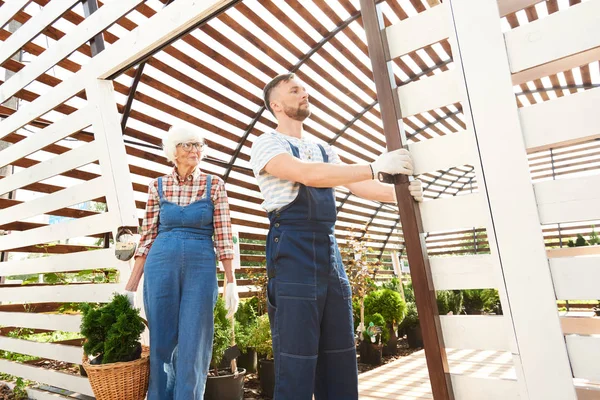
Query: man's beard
{"x": 298, "y": 113}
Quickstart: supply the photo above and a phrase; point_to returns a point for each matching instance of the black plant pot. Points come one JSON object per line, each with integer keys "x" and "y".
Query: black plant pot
{"x": 266, "y": 374}
{"x": 597, "y": 311}
{"x": 370, "y": 353}
{"x": 414, "y": 337}
{"x": 248, "y": 360}
{"x": 225, "y": 387}
{"x": 391, "y": 347}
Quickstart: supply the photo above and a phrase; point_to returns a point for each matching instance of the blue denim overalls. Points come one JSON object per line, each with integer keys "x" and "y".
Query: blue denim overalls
{"x": 310, "y": 300}
{"x": 180, "y": 291}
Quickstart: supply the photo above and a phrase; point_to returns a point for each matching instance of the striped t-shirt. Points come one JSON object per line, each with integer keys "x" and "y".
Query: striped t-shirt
{"x": 280, "y": 192}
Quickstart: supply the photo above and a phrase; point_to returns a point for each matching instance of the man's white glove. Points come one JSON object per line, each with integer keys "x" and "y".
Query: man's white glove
{"x": 416, "y": 190}
{"x": 130, "y": 297}
{"x": 232, "y": 300}
{"x": 395, "y": 162}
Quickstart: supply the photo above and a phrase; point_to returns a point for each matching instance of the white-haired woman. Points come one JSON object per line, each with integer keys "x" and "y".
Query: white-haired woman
{"x": 177, "y": 254}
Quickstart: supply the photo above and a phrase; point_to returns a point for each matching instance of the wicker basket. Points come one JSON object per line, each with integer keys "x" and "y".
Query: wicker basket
{"x": 122, "y": 380}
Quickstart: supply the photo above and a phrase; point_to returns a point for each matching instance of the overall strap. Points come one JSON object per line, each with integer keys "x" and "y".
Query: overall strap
{"x": 324, "y": 153}
{"x": 295, "y": 150}
{"x": 208, "y": 186}
{"x": 160, "y": 188}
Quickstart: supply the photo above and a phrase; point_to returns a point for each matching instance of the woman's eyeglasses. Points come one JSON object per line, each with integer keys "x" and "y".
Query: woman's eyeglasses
{"x": 190, "y": 145}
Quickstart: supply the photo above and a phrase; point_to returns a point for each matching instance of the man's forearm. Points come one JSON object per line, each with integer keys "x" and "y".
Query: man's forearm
{"x": 323, "y": 175}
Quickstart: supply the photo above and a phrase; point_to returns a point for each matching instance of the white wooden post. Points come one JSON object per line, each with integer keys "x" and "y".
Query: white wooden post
{"x": 491, "y": 112}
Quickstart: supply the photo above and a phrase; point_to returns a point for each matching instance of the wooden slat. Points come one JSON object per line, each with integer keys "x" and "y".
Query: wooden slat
{"x": 59, "y": 130}
{"x": 580, "y": 325}
{"x": 466, "y": 272}
{"x": 568, "y": 200}
{"x": 576, "y": 278}
{"x": 472, "y": 388}
{"x": 584, "y": 353}
{"x": 479, "y": 332}
{"x": 65, "y": 162}
{"x": 443, "y": 152}
{"x": 33, "y": 27}
{"x": 564, "y": 121}
{"x": 430, "y": 93}
{"x": 74, "y": 383}
{"x": 68, "y": 197}
{"x": 100, "y": 223}
{"x": 70, "y": 354}
{"x": 424, "y": 29}
{"x": 10, "y": 9}
{"x": 99, "y": 259}
{"x": 97, "y": 293}
{"x": 557, "y": 36}
{"x": 53, "y": 322}
{"x": 453, "y": 213}
{"x": 481, "y": 54}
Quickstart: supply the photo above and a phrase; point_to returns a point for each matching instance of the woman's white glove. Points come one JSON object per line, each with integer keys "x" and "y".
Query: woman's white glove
{"x": 395, "y": 162}
{"x": 130, "y": 297}
{"x": 232, "y": 300}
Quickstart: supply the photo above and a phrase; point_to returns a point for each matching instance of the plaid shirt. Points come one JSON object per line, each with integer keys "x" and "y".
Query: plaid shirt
{"x": 183, "y": 192}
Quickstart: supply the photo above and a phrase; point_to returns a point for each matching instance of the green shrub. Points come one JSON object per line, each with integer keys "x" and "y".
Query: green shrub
{"x": 411, "y": 319}
{"x": 394, "y": 284}
{"x": 449, "y": 300}
{"x": 260, "y": 337}
{"x": 388, "y": 303}
{"x": 222, "y": 335}
{"x": 112, "y": 330}
{"x": 377, "y": 320}
{"x": 245, "y": 321}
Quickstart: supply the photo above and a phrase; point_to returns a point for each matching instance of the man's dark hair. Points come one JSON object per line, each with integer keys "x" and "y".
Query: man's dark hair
{"x": 272, "y": 85}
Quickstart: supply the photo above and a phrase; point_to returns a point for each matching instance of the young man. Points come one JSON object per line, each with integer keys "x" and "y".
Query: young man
{"x": 309, "y": 296}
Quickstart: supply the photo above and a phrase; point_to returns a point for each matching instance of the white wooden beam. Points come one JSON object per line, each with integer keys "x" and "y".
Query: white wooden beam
{"x": 584, "y": 352}
{"x": 91, "y": 225}
{"x": 472, "y": 388}
{"x": 491, "y": 113}
{"x": 557, "y": 36}
{"x": 422, "y": 30}
{"x": 72, "y": 159}
{"x": 63, "y": 198}
{"x": 74, "y": 293}
{"x": 10, "y": 9}
{"x": 32, "y": 28}
{"x": 464, "y": 272}
{"x": 112, "y": 155}
{"x": 60, "y": 352}
{"x": 429, "y": 93}
{"x": 453, "y": 213}
{"x": 576, "y": 278}
{"x": 64, "y": 127}
{"x": 444, "y": 152}
{"x": 91, "y": 26}
{"x": 564, "y": 121}
{"x": 75, "y": 383}
{"x": 568, "y": 200}
{"x": 98, "y": 259}
{"x": 479, "y": 332}
{"x": 53, "y": 322}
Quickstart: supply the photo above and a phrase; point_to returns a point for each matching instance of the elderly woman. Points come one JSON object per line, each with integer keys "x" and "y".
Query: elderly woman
{"x": 177, "y": 254}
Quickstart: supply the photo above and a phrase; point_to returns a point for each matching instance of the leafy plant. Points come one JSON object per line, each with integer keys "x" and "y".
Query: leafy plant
{"x": 449, "y": 301}
{"x": 245, "y": 321}
{"x": 594, "y": 238}
{"x": 222, "y": 334}
{"x": 411, "y": 319}
{"x": 393, "y": 284}
{"x": 388, "y": 303}
{"x": 112, "y": 331}
{"x": 378, "y": 320}
{"x": 260, "y": 337}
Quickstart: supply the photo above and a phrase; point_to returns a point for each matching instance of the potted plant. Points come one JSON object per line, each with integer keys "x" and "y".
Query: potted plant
{"x": 370, "y": 348}
{"x": 392, "y": 308}
{"x": 260, "y": 339}
{"x": 245, "y": 321}
{"x": 411, "y": 326}
{"x": 223, "y": 383}
{"x": 115, "y": 362}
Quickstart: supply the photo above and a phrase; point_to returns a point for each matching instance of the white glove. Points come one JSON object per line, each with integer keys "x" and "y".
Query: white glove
{"x": 416, "y": 190}
{"x": 232, "y": 300}
{"x": 395, "y": 162}
{"x": 130, "y": 297}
